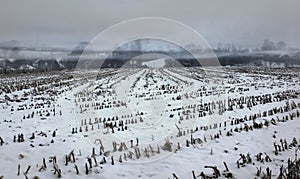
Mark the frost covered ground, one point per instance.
(149, 123)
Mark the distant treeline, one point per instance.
(32, 65)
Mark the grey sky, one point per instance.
(66, 22)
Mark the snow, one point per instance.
(28, 67)
(157, 63)
(139, 92)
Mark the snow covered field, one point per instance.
(150, 123)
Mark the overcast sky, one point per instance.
(66, 22)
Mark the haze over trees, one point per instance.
(270, 45)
